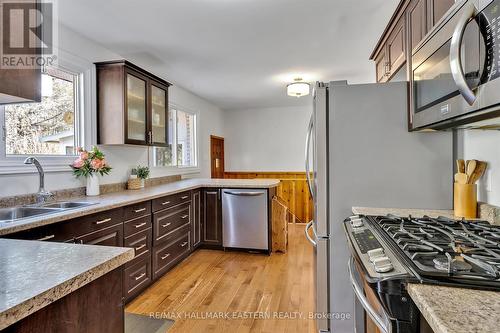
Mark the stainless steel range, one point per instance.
(390, 251)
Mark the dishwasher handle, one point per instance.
(244, 194)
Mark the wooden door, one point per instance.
(136, 114)
(217, 156)
(437, 9)
(212, 217)
(381, 66)
(158, 118)
(396, 47)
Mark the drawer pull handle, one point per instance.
(140, 276)
(166, 225)
(47, 238)
(103, 221)
(140, 247)
(184, 244)
(184, 217)
(165, 203)
(140, 225)
(185, 197)
(139, 210)
(165, 256)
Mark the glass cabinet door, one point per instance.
(136, 109)
(159, 109)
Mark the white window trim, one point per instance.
(159, 171)
(85, 132)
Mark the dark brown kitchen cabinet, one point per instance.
(132, 105)
(382, 67)
(212, 218)
(437, 9)
(111, 236)
(416, 22)
(196, 219)
(396, 47)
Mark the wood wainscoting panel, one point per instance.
(292, 190)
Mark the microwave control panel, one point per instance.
(489, 22)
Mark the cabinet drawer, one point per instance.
(171, 200)
(141, 242)
(166, 221)
(164, 257)
(136, 225)
(87, 224)
(111, 236)
(137, 210)
(136, 278)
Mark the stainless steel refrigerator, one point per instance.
(360, 153)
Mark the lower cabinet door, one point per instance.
(196, 220)
(111, 236)
(166, 256)
(136, 278)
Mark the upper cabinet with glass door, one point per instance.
(132, 105)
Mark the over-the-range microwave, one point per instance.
(455, 71)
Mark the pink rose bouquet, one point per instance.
(90, 162)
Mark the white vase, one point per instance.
(93, 185)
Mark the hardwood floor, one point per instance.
(216, 291)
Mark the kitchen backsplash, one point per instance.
(66, 194)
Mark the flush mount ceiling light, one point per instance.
(298, 88)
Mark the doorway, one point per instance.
(217, 156)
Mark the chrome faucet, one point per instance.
(42, 195)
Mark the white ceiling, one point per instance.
(238, 54)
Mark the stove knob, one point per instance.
(356, 223)
(383, 265)
(375, 253)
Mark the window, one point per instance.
(181, 135)
(49, 127)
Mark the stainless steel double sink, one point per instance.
(18, 213)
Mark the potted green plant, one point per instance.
(90, 164)
(138, 175)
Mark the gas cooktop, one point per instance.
(434, 250)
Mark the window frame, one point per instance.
(84, 114)
(158, 170)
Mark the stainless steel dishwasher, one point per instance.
(245, 219)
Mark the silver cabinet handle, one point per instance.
(165, 256)
(184, 217)
(185, 197)
(165, 203)
(358, 290)
(47, 238)
(245, 194)
(140, 276)
(139, 210)
(140, 247)
(184, 244)
(308, 226)
(456, 58)
(308, 144)
(166, 225)
(103, 221)
(137, 226)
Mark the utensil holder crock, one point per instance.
(465, 200)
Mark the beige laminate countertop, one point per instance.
(35, 274)
(446, 309)
(123, 198)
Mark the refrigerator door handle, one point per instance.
(306, 231)
(308, 143)
(358, 291)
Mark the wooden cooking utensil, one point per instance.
(461, 178)
(478, 172)
(471, 167)
(460, 166)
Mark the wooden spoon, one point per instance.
(471, 167)
(461, 178)
(478, 173)
(461, 166)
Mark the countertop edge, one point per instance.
(12, 227)
(31, 305)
